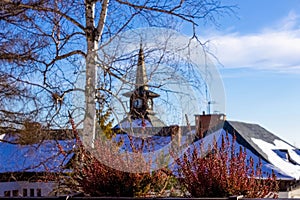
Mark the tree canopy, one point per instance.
(47, 44)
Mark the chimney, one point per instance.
(206, 122)
(176, 139)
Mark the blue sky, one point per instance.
(259, 49)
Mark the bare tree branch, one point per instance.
(38, 7)
(101, 21)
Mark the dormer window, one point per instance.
(284, 154)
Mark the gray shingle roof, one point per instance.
(246, 131)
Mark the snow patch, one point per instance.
(288, 166)
(137, 123)
(2, 136)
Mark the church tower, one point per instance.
(141, 98)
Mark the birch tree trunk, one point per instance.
(93, 35)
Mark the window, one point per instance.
(15, 193)
(284, 154)
(32, 192)
(39, 192)
(25, 192)
(297, 151)
(7, 193)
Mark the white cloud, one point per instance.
(289, 22)
(275, 49)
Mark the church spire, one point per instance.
(141, 75)
(141, 98)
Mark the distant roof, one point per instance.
(138, 123)
(275, 154)
(269, 147)
(163, 144)
(267, 167)
(248, 131)
(43, 157)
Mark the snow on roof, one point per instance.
(136, 123)
(289, 164)
(150, 144)
(42, 157)
(277, 155)
(128, 123)
(267, 168)
(162, 144)
(155, 149)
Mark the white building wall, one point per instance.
(295, 193)
(32, 188)
(283, 194)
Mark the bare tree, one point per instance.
(45, 43)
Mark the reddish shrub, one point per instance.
(109, 174)
(221, 172)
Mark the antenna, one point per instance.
(209, 102)
(209, 105)
(206, 97)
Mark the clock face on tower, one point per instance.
(138, 103)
